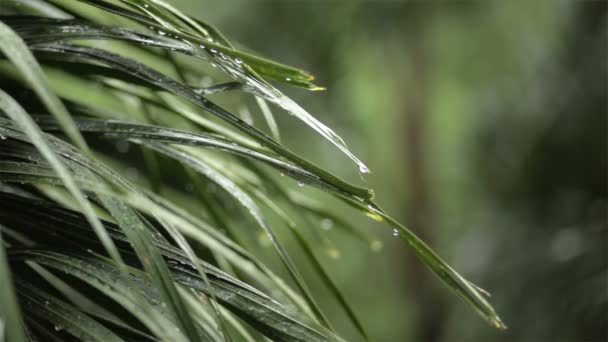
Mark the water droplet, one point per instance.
(238, 61)
(58, 328)
(202, 46)
(46, 303)
(395, 232)
(482, 291)
(300, 183)
(89, 250)
(210, 39)
(223, 56)
(213, 50)
(363, 169)
(146, 5)
(287, 79)
(162, 33)
(327, 224)
(2, 137)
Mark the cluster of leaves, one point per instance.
(90, 254)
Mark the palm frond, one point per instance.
(89, 253)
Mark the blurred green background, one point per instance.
(484, 125)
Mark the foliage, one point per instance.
(98, 255)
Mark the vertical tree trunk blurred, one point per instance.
(430, 309)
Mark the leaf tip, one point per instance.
(498, 323)
(314, 87)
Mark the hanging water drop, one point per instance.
(363, 169)
(213, 50)
(2, 137)
(395, 232)
(238, 61)
(300, 183)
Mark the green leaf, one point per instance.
(141, 239)
(241, 196)
(115, 129)
(29, 127)
(13, 47)
(141, 301)
(62, 315)
(144, 73)
(452, 279)
(252, 305)
(139, 201)
(10, 313)
(229, 60)
(63, 212)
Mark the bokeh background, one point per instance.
(484, 125)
